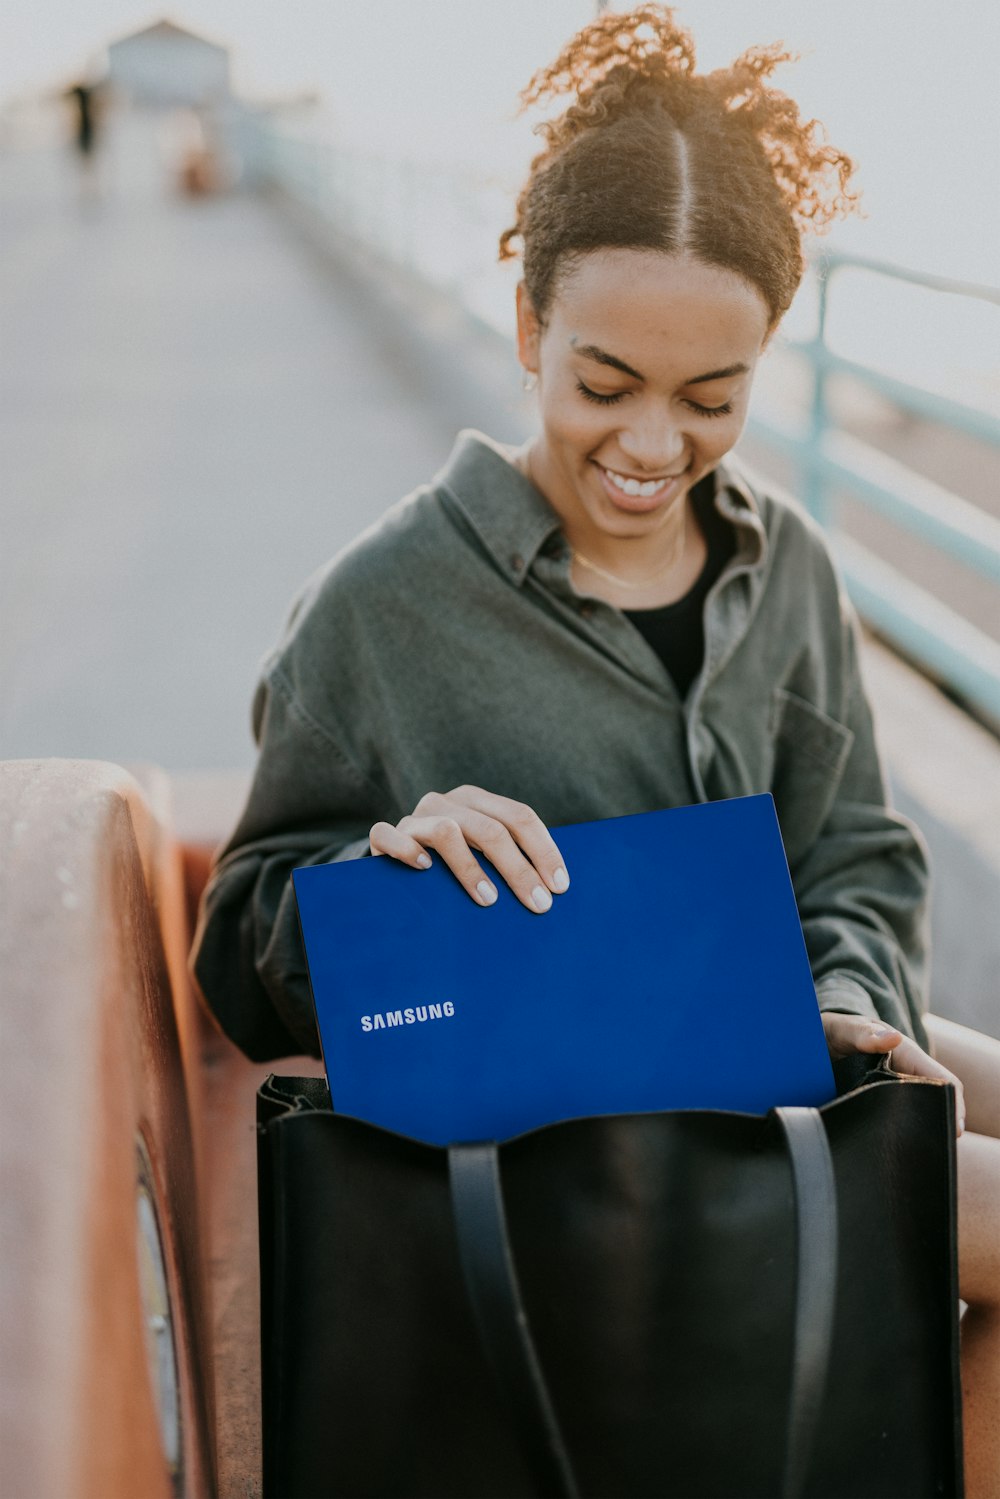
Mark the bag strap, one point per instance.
(815, 1283)
(491, 1283)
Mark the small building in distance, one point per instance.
(167, 65)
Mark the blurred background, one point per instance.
(249, 293)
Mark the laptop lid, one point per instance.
(671, 975)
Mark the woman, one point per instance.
(611, 619)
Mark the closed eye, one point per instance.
(610, 400)
(593, 395)
(711, 410)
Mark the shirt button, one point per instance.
(586, 610)
(517, 562)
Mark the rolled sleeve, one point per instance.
(308, 804)
(863, 885)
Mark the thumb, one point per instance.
(850, 1033)
(877, 1036)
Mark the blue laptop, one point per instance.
(671, 975)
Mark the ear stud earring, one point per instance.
(528, 379)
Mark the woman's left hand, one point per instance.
(848, 1033)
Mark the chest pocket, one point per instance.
(810, 753)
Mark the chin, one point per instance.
(620, 521)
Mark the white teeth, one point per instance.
(632, 486)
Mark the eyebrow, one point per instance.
(601, 356)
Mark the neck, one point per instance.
(635, 559)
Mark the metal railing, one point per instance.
(830, 461)
(390, 207)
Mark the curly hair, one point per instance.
(651, 154)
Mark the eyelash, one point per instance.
(592, 395)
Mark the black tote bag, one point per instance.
(679, 1304)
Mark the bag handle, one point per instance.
(815, 1284)
(491, 1283)
(492, 1287)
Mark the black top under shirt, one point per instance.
(676, 632)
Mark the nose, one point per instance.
(652, 441)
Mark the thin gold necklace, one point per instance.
(642, 582)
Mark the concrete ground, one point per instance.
(194, 420)
(201, 403)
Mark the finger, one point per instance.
(908, 1057)
(911, 1060)
(525, 827)
(497, 843)
(446, 836)
(850, 1033)
(385, 839)
(494, 840)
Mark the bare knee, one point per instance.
(979, 1220)
(975, 1058)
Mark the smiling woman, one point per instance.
(614, 618)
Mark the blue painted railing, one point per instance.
(830, 461)
(389, 206)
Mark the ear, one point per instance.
(528, 330)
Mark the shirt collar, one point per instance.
(513, 519)
(736, 500)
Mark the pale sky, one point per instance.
(907, 86)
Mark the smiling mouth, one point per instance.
(637, 493)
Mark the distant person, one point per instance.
(615, 617)
(86, 101)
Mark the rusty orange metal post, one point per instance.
(128, 1300)
(107, 1383)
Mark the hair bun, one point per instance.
(635, 54)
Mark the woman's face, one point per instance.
(644, 371)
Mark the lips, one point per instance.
(637, 503)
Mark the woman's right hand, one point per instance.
(513, 837)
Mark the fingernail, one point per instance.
(961, 1126)
(541, 899)
(881, 1031)
(486, 892)
(424, 861)
(561, 879)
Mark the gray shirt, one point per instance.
(449, 646)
